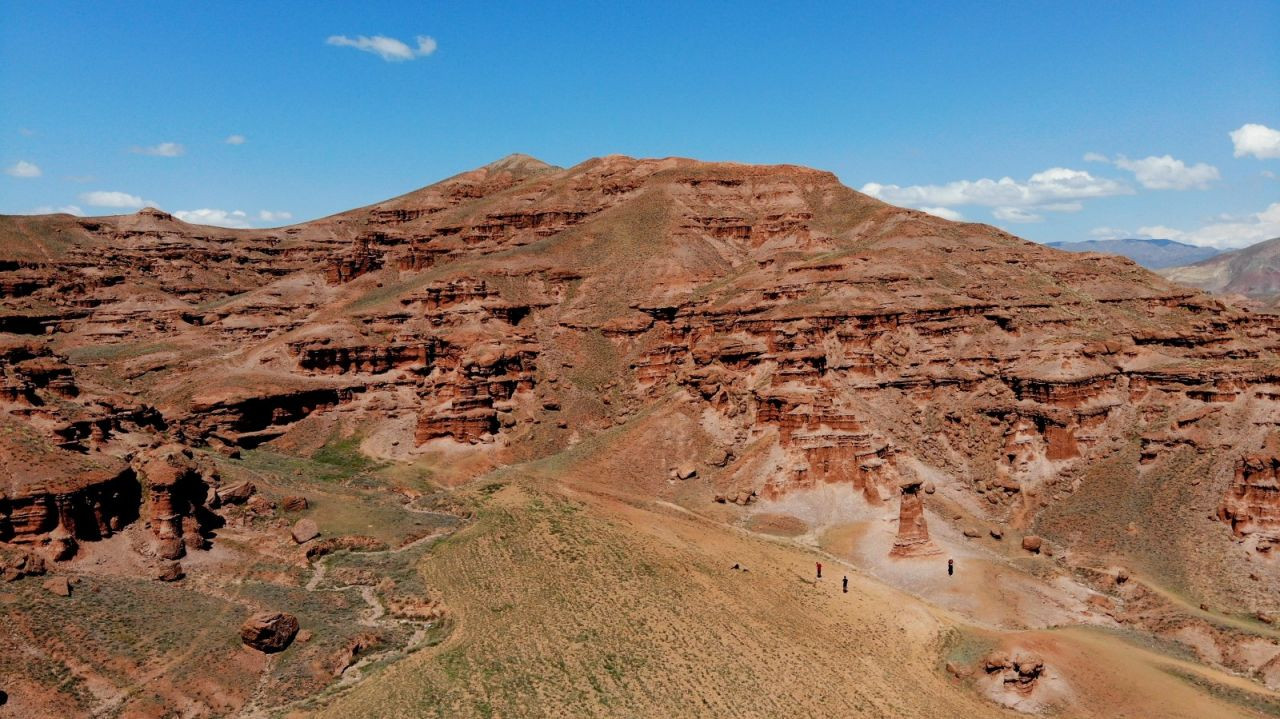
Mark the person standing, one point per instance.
(819, 569)
(951, 567)
(844, 585)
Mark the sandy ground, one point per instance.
(576, 602)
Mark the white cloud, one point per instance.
(235, 139)
(1238, 232)
(23, 169)
(219, 218)
(104, 198)
(1258, 140)
(1268, 174)
(945, 213)
(49, 210)
(26, 131)
(387, 48)
(1015, 214)
(1168, 173)
(269, 216)
(1095, 157)
(164, 149)
(1043, 188)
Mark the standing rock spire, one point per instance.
(913, 533)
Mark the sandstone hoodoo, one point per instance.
(759, 347)
(269, 632)
(913, 533)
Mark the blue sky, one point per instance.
(107, 105)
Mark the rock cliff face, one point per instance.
(1252, 504)
(821, 338)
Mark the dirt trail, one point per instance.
(1244, 625)
(375, 616)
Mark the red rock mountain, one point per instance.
(816, 337)
(827, 336)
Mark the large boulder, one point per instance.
(305, 530)
(269, 632)
(59, 586)
(238, 493)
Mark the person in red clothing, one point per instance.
(819, 569)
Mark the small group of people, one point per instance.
(844, 581)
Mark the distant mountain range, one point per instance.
(1253, 272)
(1152, 254)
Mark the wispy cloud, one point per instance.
(1258, 140)
(387, 48)
(49, 210)
(219, 218)
(107, 198)
(235, 140)
(1015, 214)
(269, 216)
(164, 149)
(23, 169)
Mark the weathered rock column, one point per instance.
(913, 533)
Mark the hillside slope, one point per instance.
(1252, 272)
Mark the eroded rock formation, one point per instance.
(1252, 504)
(913, 533)
(177, 492)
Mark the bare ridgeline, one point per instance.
(1071, 413)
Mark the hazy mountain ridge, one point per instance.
(1150, 253)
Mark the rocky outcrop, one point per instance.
(56, 498)
(1021, 670)
(16, 563)
(1252, 504)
